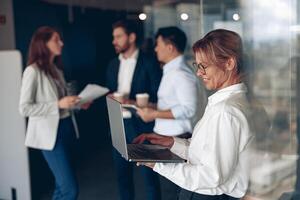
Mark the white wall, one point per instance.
(14, 163)
(7, 31)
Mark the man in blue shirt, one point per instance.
(181, 97)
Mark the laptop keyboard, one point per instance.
(144, 151)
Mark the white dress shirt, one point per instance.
(61, 87)
(179, 91)
(126, 71)
(217, 152)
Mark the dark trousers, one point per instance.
(58, 160)
(169, 190)
(188, 195)
(124, 170)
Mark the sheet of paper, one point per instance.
(130, 107)
(91, 92)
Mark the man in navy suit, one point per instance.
(130, 73)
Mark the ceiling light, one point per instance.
(236, 17)
(142, 16)
(184, 16)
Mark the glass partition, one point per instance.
(270, 43)
(270, 33)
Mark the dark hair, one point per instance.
(129, 27)
(148, 47)
(219, 45)
(39, 52)
(174, 36)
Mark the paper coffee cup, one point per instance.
(142, 99)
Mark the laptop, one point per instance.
(134, 152)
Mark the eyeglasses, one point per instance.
(199, 66)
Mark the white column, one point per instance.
(14, 163)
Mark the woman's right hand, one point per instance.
(154, 138)
(68, 102)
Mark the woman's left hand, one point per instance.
(86, 105)
(147, 164)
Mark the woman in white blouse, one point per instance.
(216, 155)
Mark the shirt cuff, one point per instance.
(179, 146)
(176, 145)
(177, 112)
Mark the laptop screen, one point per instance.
(117, 126)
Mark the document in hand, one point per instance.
(130, 107)
(91, 92)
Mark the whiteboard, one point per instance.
(14, 162)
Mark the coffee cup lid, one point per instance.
(142, 95)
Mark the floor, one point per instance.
(96, 177)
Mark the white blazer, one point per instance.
(39, 102)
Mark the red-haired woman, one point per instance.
(51, 125)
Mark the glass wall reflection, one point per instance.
(271, 48)
(271, 35)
